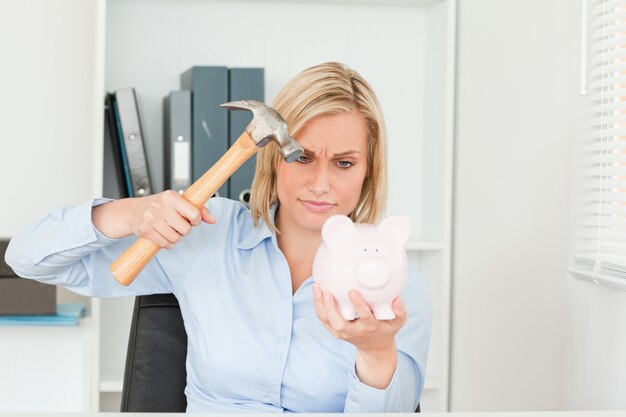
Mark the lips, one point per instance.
(317, 206)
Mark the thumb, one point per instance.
(207, 217)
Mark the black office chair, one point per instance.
(155, 373)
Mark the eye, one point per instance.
(304, 159)
(345, 164)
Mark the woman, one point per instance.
(261, 335)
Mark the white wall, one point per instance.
(518, 83)
(42, 71)
(595, 347)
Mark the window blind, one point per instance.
(600, 253)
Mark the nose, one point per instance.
(319, 182)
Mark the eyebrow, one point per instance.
(310, 152)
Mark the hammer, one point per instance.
(266, 125)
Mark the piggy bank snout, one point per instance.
(373, 272)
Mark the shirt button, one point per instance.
(279, 356)
(282, 337)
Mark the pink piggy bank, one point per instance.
(368, 258)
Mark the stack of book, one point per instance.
(28, 302)
(19, 296)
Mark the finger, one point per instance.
(167, 232)
(399, 308)
(177, 222)
(362, 309)
(158, 239)
(318, 304)
(184, 208)
(207, 217)
(190, 212)
(335, 319)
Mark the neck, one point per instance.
(298, 247)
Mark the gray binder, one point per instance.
(209, 133)
(113, 181)
(177, 140)
(132, 144)
(245, 84)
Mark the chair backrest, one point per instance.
(155, 373)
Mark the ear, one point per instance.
(397, 226)
(335, 227)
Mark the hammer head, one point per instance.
(267, 125)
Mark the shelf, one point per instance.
(404, 3)
(424, 245)
(111, 380)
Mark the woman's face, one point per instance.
(328, 177)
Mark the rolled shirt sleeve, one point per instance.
(64, 248)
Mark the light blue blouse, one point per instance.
(252, 345)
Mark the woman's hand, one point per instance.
(374, 340)
(164, 218)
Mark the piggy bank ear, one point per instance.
(398, 226)
(335, 227)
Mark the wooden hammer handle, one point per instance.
(126, 268)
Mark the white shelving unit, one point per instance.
(404, 48)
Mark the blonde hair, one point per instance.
(323, 90)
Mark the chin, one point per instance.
(315, 221)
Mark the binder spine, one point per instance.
(177, 140)
(128, 186)
(244, 84)
(114, 181)
(132, 149)
(209, 89)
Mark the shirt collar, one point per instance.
(257, 234)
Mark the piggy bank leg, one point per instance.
(384, 312)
